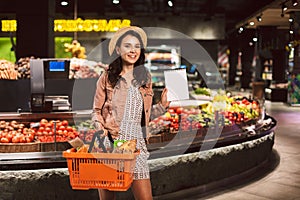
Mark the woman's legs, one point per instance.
(106, 194)
(142, 189)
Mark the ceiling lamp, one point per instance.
(116, 1)
(258, 18)
(283, 7)
(170, 3)
(241, 29)
(64, 3)
(295, 2)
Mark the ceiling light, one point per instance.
(291, 19)
(241, 29)
(291, 32)
(295, 2)
(284, 7)
(258, 18)
(116, 1)
(64, 3)
(251, 23)
(170, 3)
(254, 39)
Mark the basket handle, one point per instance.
(97, 134)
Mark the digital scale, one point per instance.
(41, 69)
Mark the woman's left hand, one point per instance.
(164, 100)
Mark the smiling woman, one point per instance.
(124, 118)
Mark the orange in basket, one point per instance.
(112, 171)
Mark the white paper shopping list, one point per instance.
(177, 85)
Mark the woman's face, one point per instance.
(130, 49)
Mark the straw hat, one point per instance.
(122, 31)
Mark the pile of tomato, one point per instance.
(42, 131)
(45, 131)
(13, 132)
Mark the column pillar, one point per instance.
(296, 68)
(35, 34)
(233, 59)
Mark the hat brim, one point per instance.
(113, 41)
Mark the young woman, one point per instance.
(123, 102)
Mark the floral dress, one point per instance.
(130, 129)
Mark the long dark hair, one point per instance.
(140, 73)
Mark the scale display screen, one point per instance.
(56, 69)
(57, 66)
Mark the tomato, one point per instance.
(39, 133)
(59, 132)
(179, 110)
(15, 139)
(65, 132)
(28, 139)
(65, 123)
(44, 120)
(42, 124)
(9, 137)
(171, 110)
(22, 139)
(42, 128)
(49, 125)
(70, 129)
(48, 129)
(31, 136)
(4, 140)
(45, 132)
(62, 128)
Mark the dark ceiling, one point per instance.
(234, 10)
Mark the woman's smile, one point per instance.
(130, 49)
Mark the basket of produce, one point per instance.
(101, 169)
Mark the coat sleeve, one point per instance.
(99, 100)
(156, 109)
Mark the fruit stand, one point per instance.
(210, 119)
(186, 127)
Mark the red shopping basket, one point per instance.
(112, 171)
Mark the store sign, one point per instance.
(8, 25)
(88, 25)
(78, 25)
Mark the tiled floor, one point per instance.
(281, 179)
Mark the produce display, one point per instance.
(7, 70)
(79, 69)
(86, 130)
(75, 49)
(82, 68)
(23, 67)
(13, 132)
(222, 110)
(43, 131)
